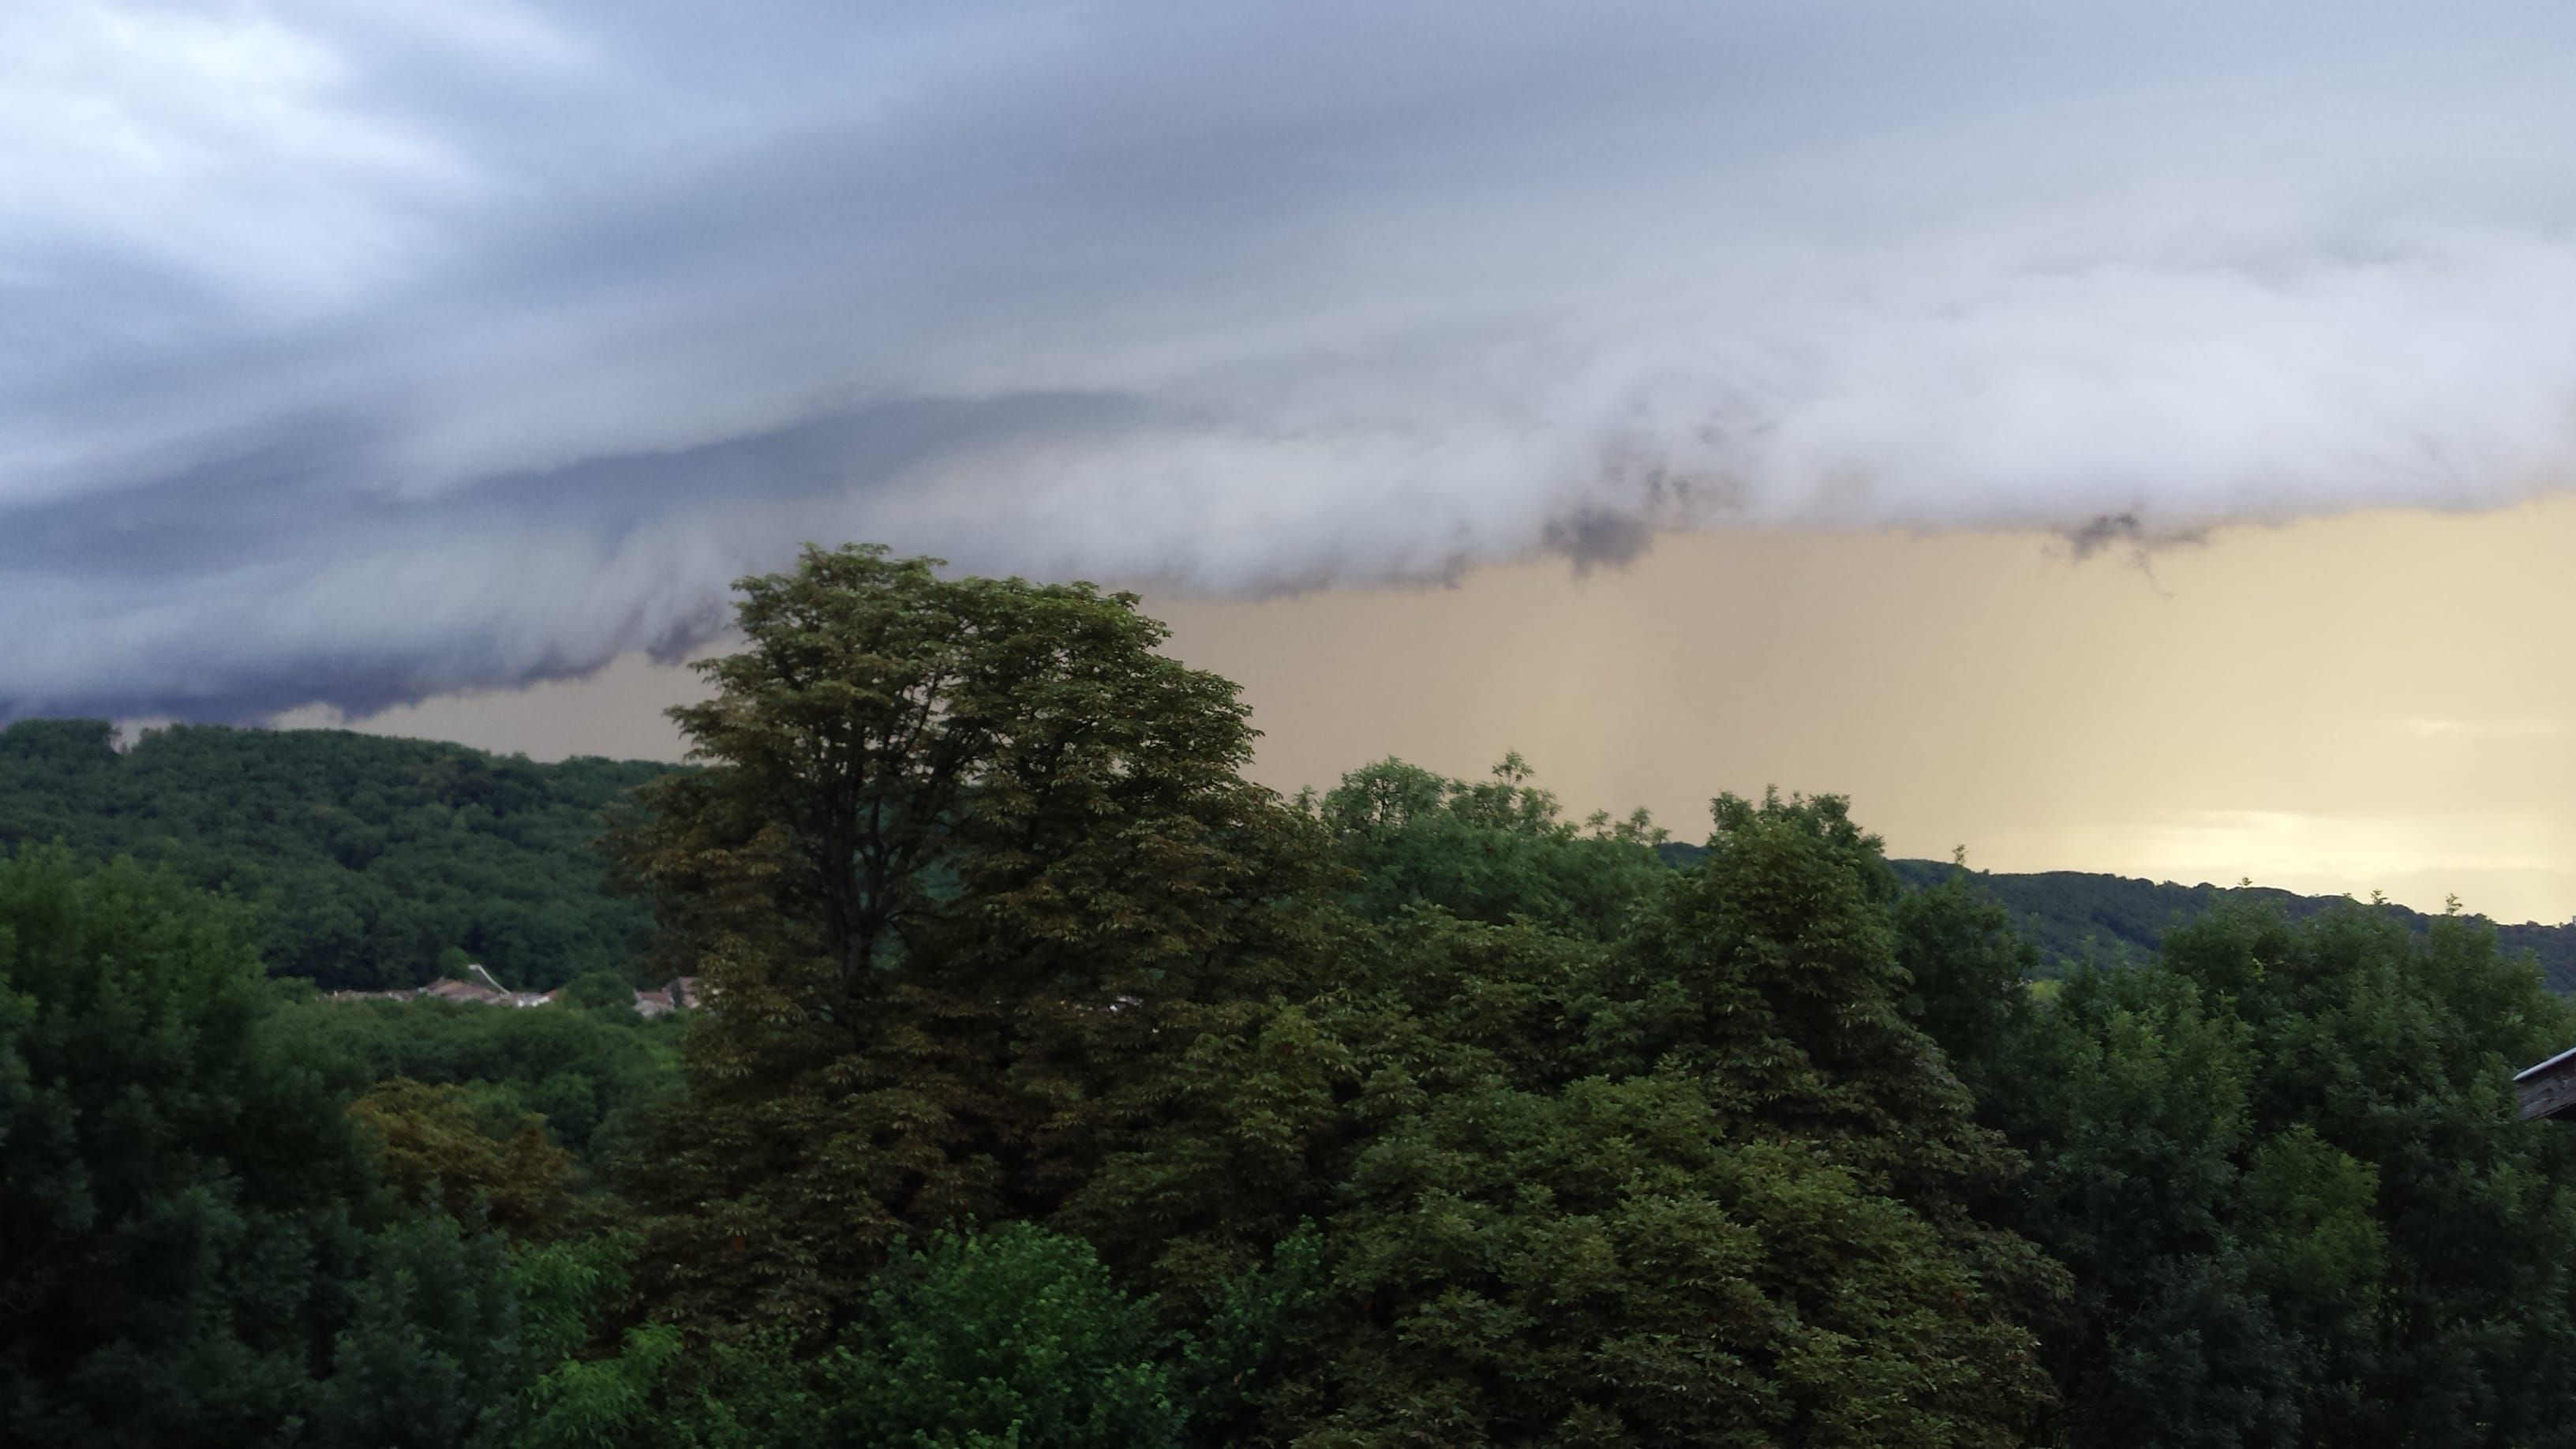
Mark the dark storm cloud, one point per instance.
(357, 350)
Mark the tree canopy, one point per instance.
(966, 861)
(369, 862)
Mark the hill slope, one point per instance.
(372, 860)
(369, 859)
(2075, 916)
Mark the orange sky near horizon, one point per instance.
(2373, 701)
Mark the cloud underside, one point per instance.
(357, 356)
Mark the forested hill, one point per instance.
(2072, 916)
(374, 861)
(370, 861)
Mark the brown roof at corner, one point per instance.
(2549, 1089)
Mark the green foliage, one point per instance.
(606, 992)
(2285, 1169)
(661, 1391)
(656, 1390)
(1707, 1186)
(193, 1248)
(1967, 977)
(1015, 1337)
(565, 1290)
(597, 1078)
(373, 862)
(1602, 1266)
(606, 1402)
(1231, 1371)
(175, 1206)
(457, 1336)
(969, 862)
(433, 1359)
(1493, 850)
(472, 1154)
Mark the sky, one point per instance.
(365, 359)
(2369, 702)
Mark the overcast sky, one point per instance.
(362, 350)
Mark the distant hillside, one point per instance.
(368, 859)
(372, 861)
(2074, 916)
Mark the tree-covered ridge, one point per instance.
(2078, 916)
(370, 862)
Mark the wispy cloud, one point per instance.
(358, 351)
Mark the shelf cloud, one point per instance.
(359, 350)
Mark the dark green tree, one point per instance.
(605, 992)
(1012, 1337)
(591, 1075)
(1701, 1185)
(967, 862)
(432, 1358)
(369, 861)
(2285, 1167)
(176, 1190)
(1967, 977)
(1493, 850)
(195, 1247)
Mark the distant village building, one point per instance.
(679, 994)
(479, 988)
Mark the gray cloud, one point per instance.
(358, 350)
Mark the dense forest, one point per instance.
(2077, 918)
(376, 863)
(1056, 1086)
(370, 862)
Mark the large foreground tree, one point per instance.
(967, 861)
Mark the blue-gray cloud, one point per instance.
(356, 350)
